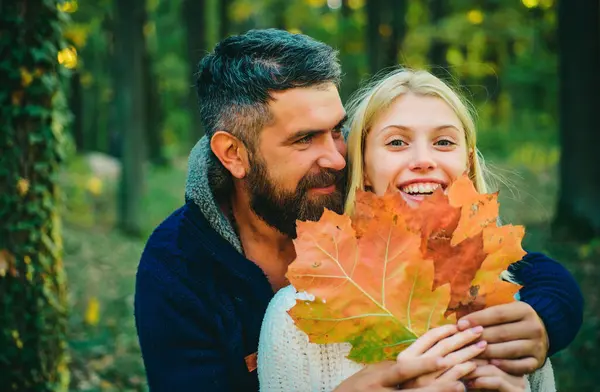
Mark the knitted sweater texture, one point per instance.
(288, 362)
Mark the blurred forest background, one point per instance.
(99, 113)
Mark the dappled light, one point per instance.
(100, 112)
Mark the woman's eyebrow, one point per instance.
(410, 129)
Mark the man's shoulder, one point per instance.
(175, 241)
(174, 263)
(177, 231)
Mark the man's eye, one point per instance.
(337, 132)
(305, 140)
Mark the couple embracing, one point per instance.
(211, 293)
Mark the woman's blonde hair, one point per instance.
(373, 99)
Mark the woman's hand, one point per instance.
(387, 376)
(491, 378)
(518, 342)
(448, 343)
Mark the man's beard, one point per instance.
(280, 208)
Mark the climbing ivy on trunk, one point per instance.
(33, 114)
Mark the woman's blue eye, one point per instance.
(396, 143)
(445, 143)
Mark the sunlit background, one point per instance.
(502, 54)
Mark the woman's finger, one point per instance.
(495, 383)
(406, 369)
(517, 367)
(457, 372)
(490, 371)
(427, 340)
(480, 362)
(486, 371)
(466, 353)
(463, 355)
(455, 342)
(508, 350)
(445, 387)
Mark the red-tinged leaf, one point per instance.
(435, 219)
(376, 294)
(456, 265)
(385, 277)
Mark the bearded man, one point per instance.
(274, 152)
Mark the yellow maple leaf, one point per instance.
(26, 77)
(22, 186)
(92, 313)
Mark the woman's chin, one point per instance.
(413, 201)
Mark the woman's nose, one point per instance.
(422, 160)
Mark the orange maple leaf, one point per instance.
(373, 291)
(383, 278)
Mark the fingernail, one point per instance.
(477, 329)
(482, 344)
(495, 362)
(463, 324)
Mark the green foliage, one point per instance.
(102, 337)
(33, 115)
(502, 53)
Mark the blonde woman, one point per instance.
(412, 131)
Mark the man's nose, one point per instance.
(331, 157)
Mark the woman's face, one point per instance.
(417, 145)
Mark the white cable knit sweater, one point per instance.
(288, 362)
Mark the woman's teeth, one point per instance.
(420, 188)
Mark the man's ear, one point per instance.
(231, 152)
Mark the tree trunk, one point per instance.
(130, 104)
(224, 14)
(397, 13)
(578, 210)
(438, 9)
(373, 41)
(76, 105)
(156, 153)
(153, 110)
(348, 60)
(33, 109)
(193, 16)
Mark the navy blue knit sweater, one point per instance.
(199, 305)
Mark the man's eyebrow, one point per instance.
(308, 132)
(342, 122)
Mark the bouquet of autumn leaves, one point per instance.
(391, 272)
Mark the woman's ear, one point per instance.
(366, 180)
(231, 152)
